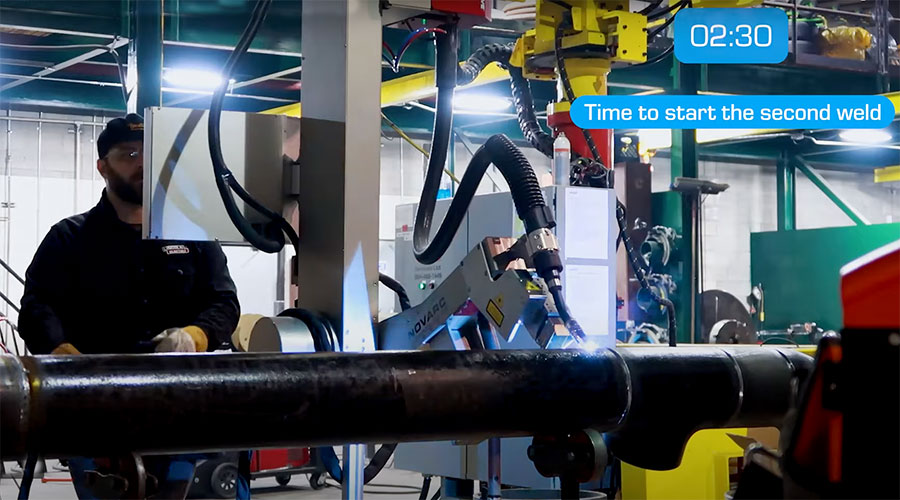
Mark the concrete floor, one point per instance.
(390, 484)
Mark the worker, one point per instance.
(96, 287)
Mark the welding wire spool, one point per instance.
(519, 11)
(242, 333)
(281, 334)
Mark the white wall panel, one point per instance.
(255, 276)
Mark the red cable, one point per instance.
(388, 48)
(409, 42)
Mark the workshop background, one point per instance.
(798, 205)
(46, 177)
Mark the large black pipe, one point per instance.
(103, 405)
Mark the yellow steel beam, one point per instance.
(421, 85)
(287, 109)
(894, 98)
(409, 88)
(887, 174)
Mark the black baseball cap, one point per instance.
(119, 130)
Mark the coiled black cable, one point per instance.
(273, 241)
(649, 8)
(682, 5)
(658, 14)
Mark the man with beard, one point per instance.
(95, 287)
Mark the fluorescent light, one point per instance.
(480, 102)
(867, 136)
(197, 79)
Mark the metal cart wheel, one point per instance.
(317, 481)
(223, 480)
(283, 479)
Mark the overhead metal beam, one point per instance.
(410, 88)
(230, 48)
(63, 65)
(270, 76)
(196, 94)
(247, 83)
(55, 31)
(823, 185)
(63, 80)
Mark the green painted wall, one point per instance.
(800, 270)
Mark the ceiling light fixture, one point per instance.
(480, 102)
(196, 79)
(866, 136)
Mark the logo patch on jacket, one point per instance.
(176, 249)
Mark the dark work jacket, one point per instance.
(96, 284)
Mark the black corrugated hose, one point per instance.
(528, 123)
(273, 240)
(445, 76)
(475, 64)
(524, 188)
(521, 91)
(499, 150)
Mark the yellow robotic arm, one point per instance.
(588, 36)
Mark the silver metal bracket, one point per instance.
(541, 240)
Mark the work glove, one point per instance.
(188, 339)
(65, 349)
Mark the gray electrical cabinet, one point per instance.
(181, 201)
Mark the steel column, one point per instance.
(77, 174)
(786, 195)
(340, 130)
(131, 78)
(7, 206)
(684, 163)
(37, 184)
(149, 51)
(823, 185)
(341, 137)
